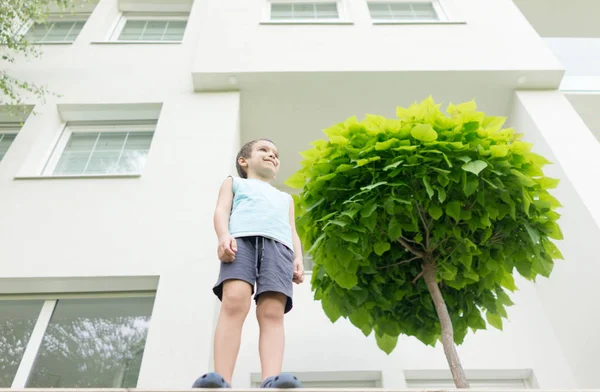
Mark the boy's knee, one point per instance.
(236, 302)
(271, 309)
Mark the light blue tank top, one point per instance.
(260, 209)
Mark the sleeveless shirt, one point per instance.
(260, 209)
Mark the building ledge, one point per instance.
(296, 390)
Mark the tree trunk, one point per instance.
(429, 274)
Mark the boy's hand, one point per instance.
(227, 249)
(298, 271)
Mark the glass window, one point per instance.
(401, 11)
(63, 31)
(6, 140)
(17, 319)
(304, 11)
(153, 30)
(93, 343)
(104, 153)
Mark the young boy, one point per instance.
(258, 243)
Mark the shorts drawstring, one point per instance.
(258, 258)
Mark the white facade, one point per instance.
(237, 75)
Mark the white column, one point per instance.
(569, 139)
(569, 297)
(206, 130)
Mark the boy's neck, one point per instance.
(255, 176)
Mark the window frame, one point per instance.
(343, 378)
(104, 127)
(8, 129)
(342, 8)
(83, 17)
(34, 343)
(419, 379)
(125, 16)
(444, 17)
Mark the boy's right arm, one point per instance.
(227, 244)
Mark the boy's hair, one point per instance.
(246, 152)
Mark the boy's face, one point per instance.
(263, 161)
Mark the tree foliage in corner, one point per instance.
(416, 224)
(14, 15)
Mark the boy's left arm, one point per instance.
(298, 261)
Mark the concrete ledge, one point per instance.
(298, 390)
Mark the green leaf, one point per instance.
(361, 319)
(474, 167)
(552, 250)
(441, 194)
(386, 343)
(453, 210)
(373, 186)
(330, 309)
(435, 211)
(368, 210)
(548, 183)
(553, 230)
(392, 166)
(428, 187)
(475, 320)
(499, 151)
(296, 180)
(381, 146)
(465, 158)
(381, 247)
(394, 229)
(350, 237)
(494, 320)
(471, 186)
(424, 133)
(508, 282)
(344, 168)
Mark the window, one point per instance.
(54, 31)
(304, 11)
(478, 379)
(101, 150)
(400, 11)
(8, 133)
(17, 319)
(85, 342)
(139, 28)
(335, 379)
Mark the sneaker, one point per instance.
(211, 380)
(283, 381)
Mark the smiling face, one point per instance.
(262, 162)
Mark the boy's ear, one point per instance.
(242, 161)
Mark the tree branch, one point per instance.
(410, 248)
(400, 262)
(425, 225)
(417, 277)
(439, 244)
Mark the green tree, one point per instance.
(453, 199)
(14, 14)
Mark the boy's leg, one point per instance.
(235, 305)
(269, 311)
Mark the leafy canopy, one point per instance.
(475, 188)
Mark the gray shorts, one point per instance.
(263, 261)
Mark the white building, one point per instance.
(106, 273)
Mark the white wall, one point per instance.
(496, 36)
(159, 224)
(570, 296)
